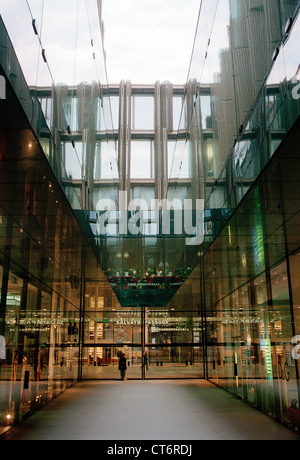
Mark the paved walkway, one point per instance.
(140, 410)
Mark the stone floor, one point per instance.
(148, 410)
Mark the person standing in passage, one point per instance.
(122, 366)
(146, 361)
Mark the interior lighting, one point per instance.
(210, 152)
(244, 261)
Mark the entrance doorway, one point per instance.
(158, 344)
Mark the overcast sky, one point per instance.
(145, 40)
(149, 40)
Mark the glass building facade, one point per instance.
(80, 156)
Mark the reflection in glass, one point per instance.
(142, 113)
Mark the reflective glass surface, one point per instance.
(77, 289)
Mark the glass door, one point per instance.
(157, 344)
(102, 363)
(173, 362)
(108, 335)
(173, 345)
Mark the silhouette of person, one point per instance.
(122, 366)
(146, 361)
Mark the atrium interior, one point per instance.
(156, 219)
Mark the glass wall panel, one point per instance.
(105, 166)
(157, 344)
(108, 113)
(281, 328)
(174, 362)
(142, 113)
(252, 333)
(293, 358)
(179, 160)
(179, 113)
(73, 160)
(142, 160)
(206, 113)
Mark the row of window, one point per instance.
(142, 165)
(142, 113)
